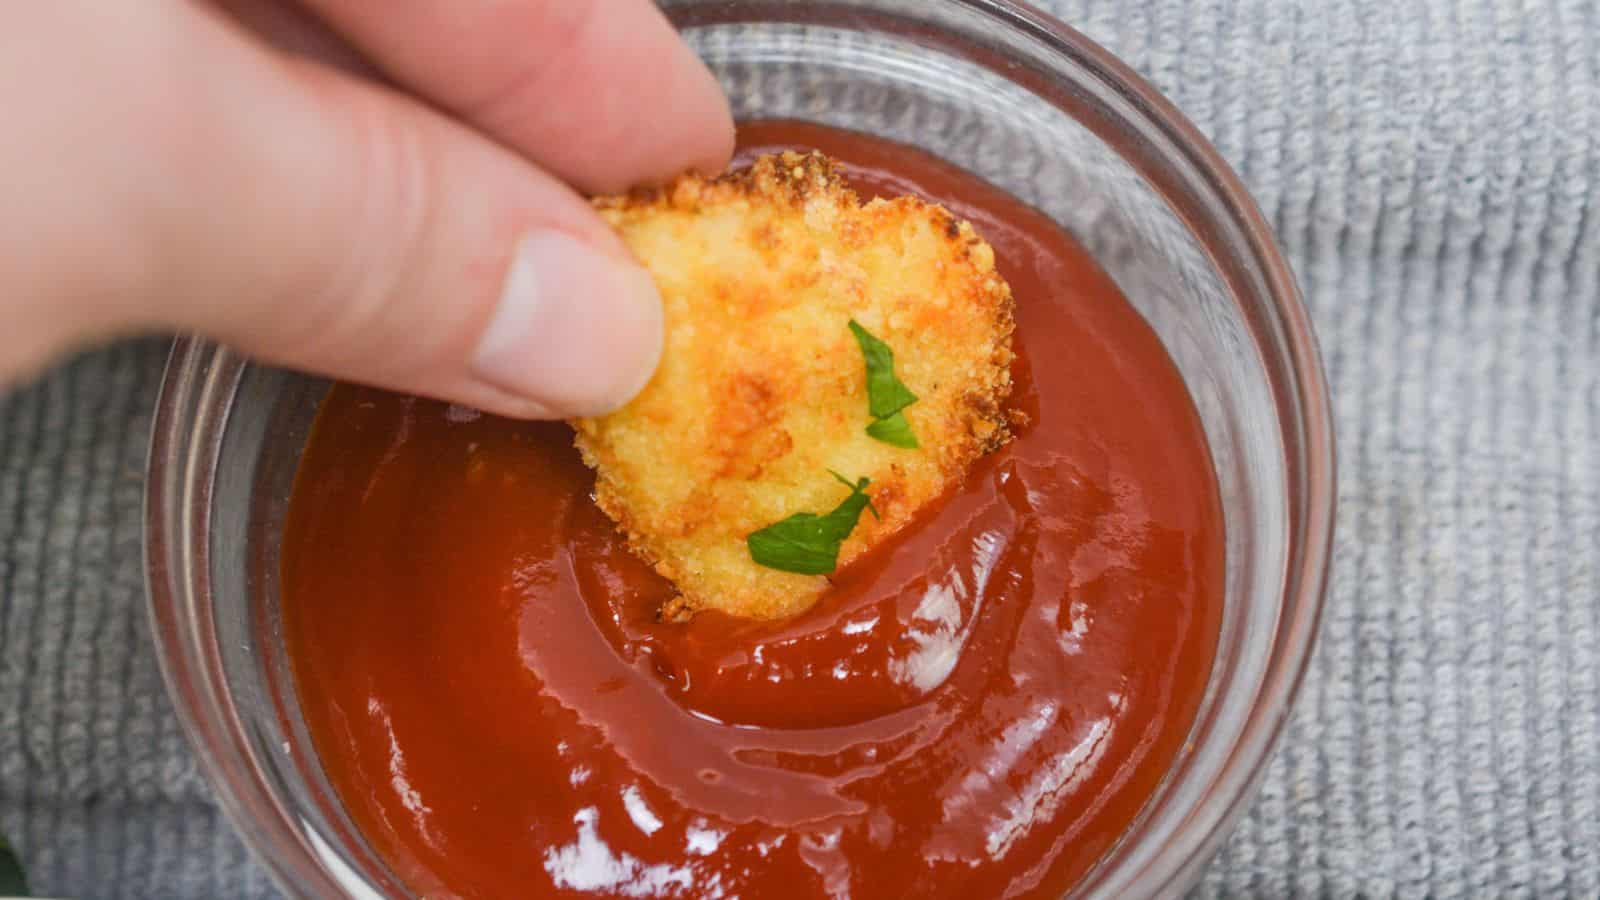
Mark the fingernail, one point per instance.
(577, 331)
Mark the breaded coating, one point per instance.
(762, 387)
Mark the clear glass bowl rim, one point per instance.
(205, 710)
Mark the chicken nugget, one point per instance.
(792, 309)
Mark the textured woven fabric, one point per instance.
(1432, 169)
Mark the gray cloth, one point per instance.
(1432, 169)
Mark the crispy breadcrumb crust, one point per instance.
(762, 389)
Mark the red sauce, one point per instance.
(978, 710)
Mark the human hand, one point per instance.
(372, 191)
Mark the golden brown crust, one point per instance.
(761, 388)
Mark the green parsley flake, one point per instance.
(807, 543)
(894, 430)
(886, 394)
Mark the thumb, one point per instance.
(325, 223)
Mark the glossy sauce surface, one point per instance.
(977, 710)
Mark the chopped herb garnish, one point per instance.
(886, 394)
(12, 882)
(894, 430)
(808, 543)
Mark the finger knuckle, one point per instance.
(563, 30)
(362, 295)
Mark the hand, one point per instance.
(384, 192)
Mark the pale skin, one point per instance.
(385, 192)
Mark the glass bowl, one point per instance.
(995, 87)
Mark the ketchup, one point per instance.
(977, 709)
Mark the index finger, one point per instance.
(604, 94)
